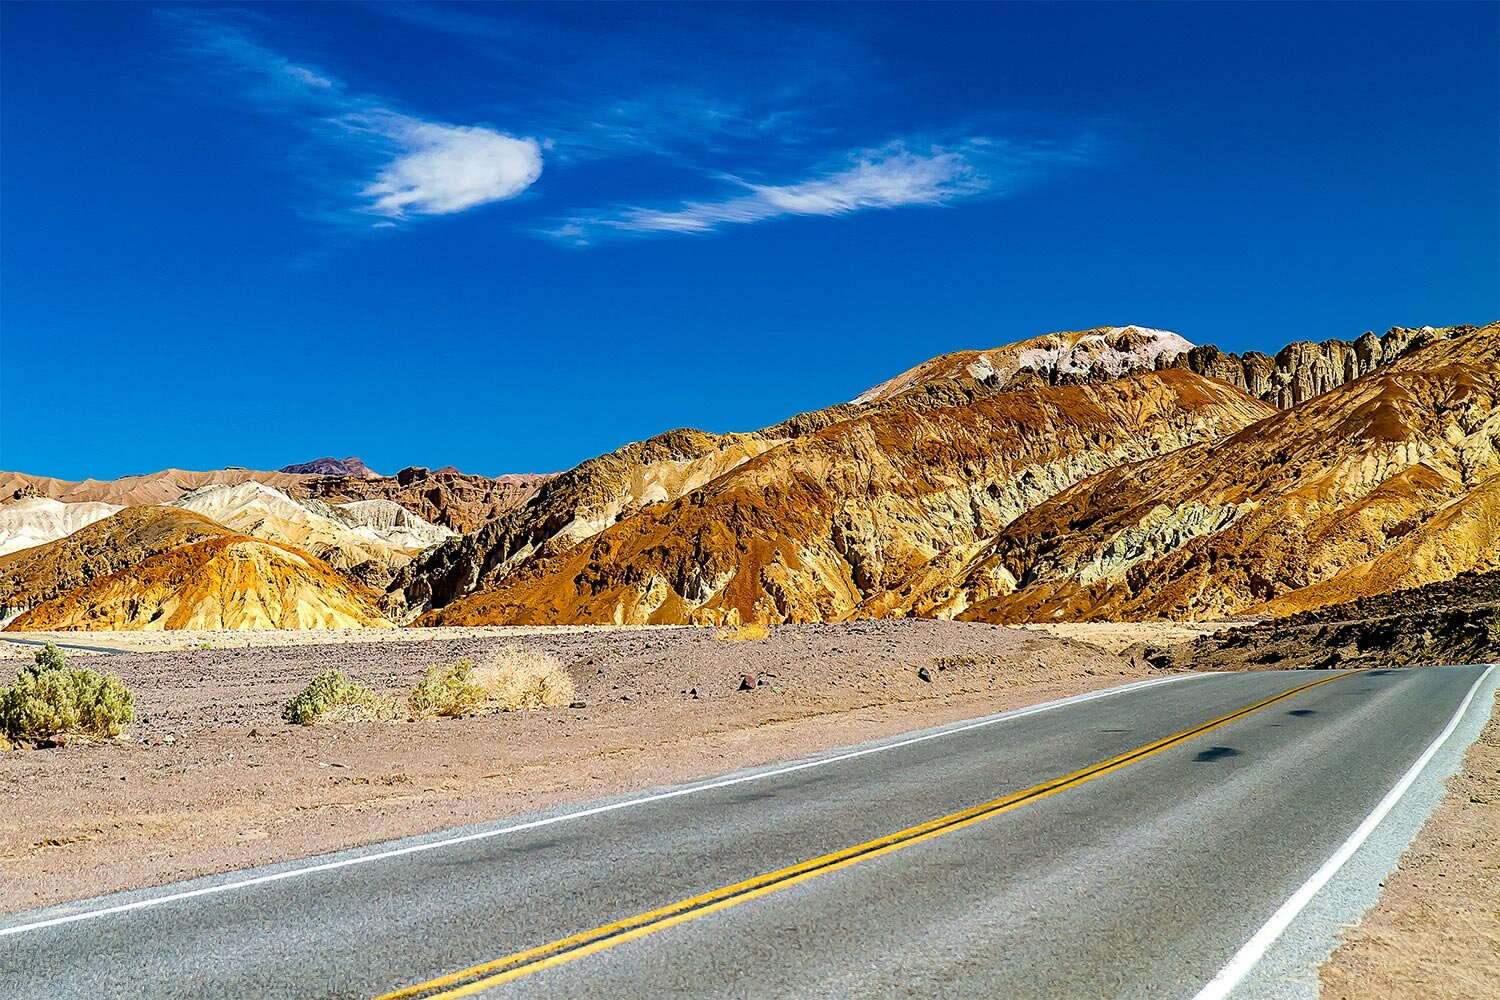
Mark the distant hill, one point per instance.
(230, 582)
(351, 467)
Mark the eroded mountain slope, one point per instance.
(35, 520)
(35, 575)
(1386, 481)
(821, 520)
(230, 582)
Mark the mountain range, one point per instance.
(1119, 473)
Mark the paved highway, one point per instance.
(1201, 836)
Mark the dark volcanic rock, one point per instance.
(350, 466)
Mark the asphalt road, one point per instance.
(1126, 845)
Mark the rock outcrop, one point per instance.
(445, 497)
(1304, 369)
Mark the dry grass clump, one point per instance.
(753, 632)
(446, 689)
(510, 679)
(49, 698)
(517, 679)
(333, 697)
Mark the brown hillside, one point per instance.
(1386, 481)
(229, 582)
(815, 525)
(34, 575)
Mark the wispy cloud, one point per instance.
(898, 174)
(420, 166)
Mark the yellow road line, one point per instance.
(466, 982)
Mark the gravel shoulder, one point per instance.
(210, 778)
(1436, 929)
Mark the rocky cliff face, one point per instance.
(1385, 482)
(1304, 369)
(444, 497)
(817, 523)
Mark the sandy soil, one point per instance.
(199, 639)
(1116, 637)
(209, 778)
(1436, 931)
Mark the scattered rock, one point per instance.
(578, 704)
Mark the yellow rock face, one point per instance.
(220, 583)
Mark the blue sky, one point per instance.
(509, 238)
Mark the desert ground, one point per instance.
(210, 778)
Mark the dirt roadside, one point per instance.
(1436, 931)
(210, 779)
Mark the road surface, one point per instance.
(1134, 843)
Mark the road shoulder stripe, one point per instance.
(1244, 960)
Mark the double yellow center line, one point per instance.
(475, 979)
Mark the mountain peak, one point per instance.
(1067, 356)
(350, 467)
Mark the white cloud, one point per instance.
(421, 167)
(890, 176)
(449, 168)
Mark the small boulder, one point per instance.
(747, 682)
(923, 674)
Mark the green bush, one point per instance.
(50, 698)
(446, 689)
(330, 693)
(49, 657)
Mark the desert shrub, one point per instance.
(49, 657)
(330, 697)
(509, 680)
(753, 632)
(446, 689)
(515, 679)
(50, 697)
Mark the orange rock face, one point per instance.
(229, 582)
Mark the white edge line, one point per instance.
(1255, 949)
(363, 859)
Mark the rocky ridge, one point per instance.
(1385, 482)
